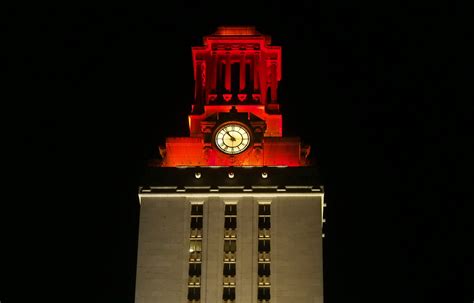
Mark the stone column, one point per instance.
(246, 249)
(262, 72)
(255, 72)
(198, 83)
(213, 72)
(274, 82)
(242, 72)
(204, 85)
(219, 71)
(228, 73)
(214, 237)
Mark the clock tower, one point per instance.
(234, 212)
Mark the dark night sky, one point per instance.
(378, 91)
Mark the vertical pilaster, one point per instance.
(214, 252)
(246, 250)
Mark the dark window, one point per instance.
(229, 293)
(235, 77)
(264, 246)
(220, 75)
(194, 269)
(269, 93)
(196, 209)
(231, 209)
(248, 78)
(264, 269)
(196, 222)
(230, 222)
(229, 269)
(264, 209)
(230, 246)
(194, 293)
(264, 293)
(264, 223)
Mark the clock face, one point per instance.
(232, 138)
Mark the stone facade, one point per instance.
(296, 247)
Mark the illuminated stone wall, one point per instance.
(296, 248)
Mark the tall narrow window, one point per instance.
(230, 251)
(228, 295)
(194, 294)
(248, 78)
(229, 269)
(264, 246)
(264, 209)
(195, 269)
(264, 225)
(235, 78)
(220, 75)
(195, 252)
(264, 294)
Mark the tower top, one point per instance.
(235, 118)
(236, 65)
(236, 31)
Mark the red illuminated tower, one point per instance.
(236, 76)
(234, 212)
